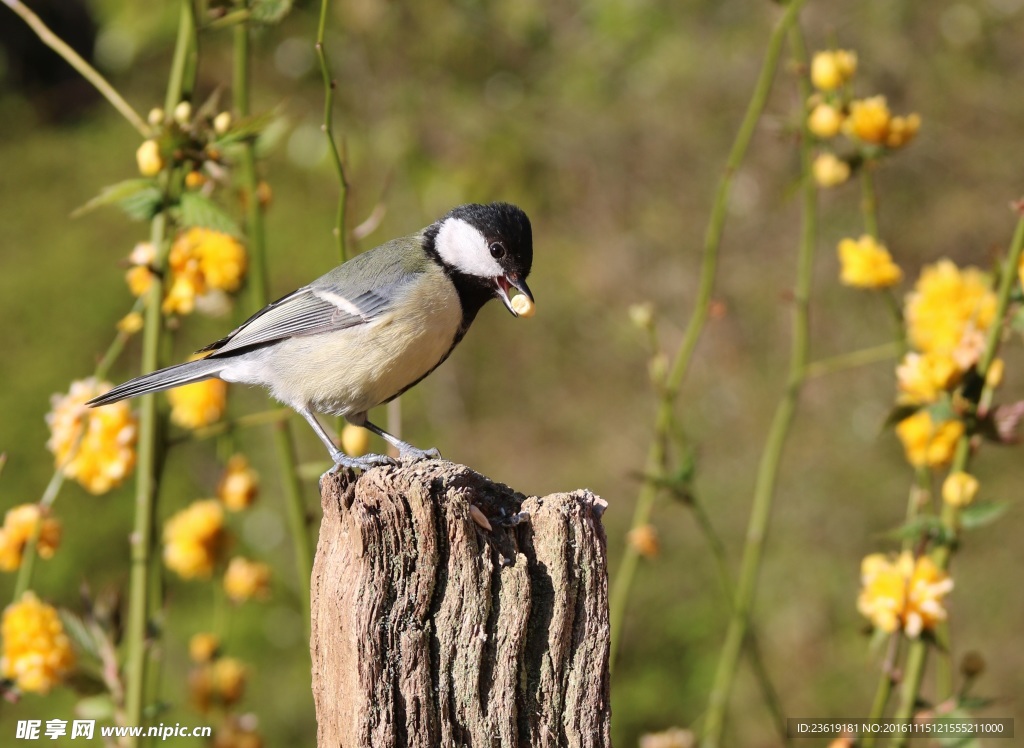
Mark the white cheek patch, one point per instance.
(463, 247)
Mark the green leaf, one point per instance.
(982, 513)
(198, 210)
(941, 411)
(900, 413)
(269, 11)
(957, 740)
(246, 129)
(1017, 320)
(79, 633)
(99, 707)
(139, 198)
(927, 525)
(976, 702)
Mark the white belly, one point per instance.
(349, 371)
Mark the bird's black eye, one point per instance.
(497, 250)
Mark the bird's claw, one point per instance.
(364, 463)
(412, 454)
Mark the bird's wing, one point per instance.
(307, 311)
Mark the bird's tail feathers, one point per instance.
(163, 379)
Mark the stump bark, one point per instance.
(430, 630)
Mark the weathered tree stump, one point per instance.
(430, 630)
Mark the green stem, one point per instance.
(256, 231)
(328, 128)
(764, 489)
(145, 498)
(771, 698)
(869, 199)
(87, 71)
(917, 657)
(150, 429)
(657, 451)
(885, 684)
(853, 359)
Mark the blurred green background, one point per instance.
(608, 122)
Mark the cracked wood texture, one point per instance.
(430, 630)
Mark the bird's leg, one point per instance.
(406, 451)
(342, 460)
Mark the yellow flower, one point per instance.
(37, 653)
(825, 121)
(200, 261)
(867, 264)
(149, 159)
(831, 69)
(19, 526)
(95, 447)
(199, 404)
(644, 540)
(946, 305)
(959, 488)
(221, 258)
(922, 377)
(245, 579)
(194, 539)
(902, 130)
(902, 593)
(869, 120)
(355, 440)
(238, 485)
(830, 171)
(927, 443)
(202, 647)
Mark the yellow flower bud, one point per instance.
(156, 116)
(523, 306)
(222, 123)
(264, 194)
(202, 647)
(825, 121)
(642, 315)
(238, 485)
(149, 159)
(831, 69)
(355, 440)
(130, 324)
(194, 180)
(902, 130)
(245, 579)
(183, 113)
(994, 377)
(830, 171)
(644, 540)
(959, 489)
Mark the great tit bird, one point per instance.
(371, 328)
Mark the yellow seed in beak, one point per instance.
(523, 306)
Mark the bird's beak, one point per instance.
(506, 283)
